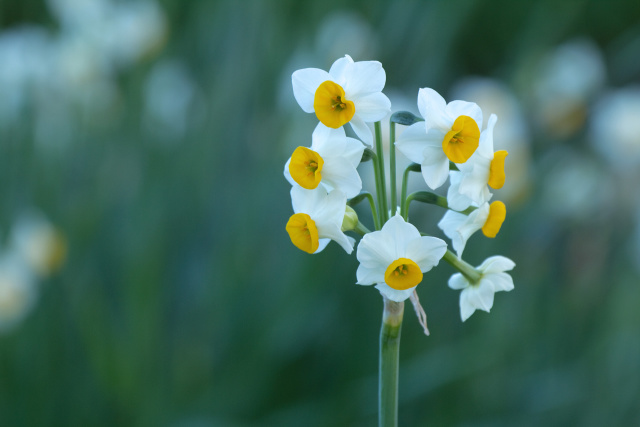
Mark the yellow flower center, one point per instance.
(332, 109)
(305, 167)
(303, 232)
(403, 274)
(462, 140)
(497, 214)
(496, 170)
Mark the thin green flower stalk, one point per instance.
(382, 202)
(389, 363)
(392, 167)
(445, 143)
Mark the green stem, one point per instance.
(378, 220)
(382, 203)
(374, 212)
(361, 229)
(467, 270)
(414, 167)
(392, 167)
(389, 356)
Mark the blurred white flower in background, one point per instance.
(169, 93)
(345, 32)
(575, 186)
(565, 83)
(60, 75)
(35, 250)
(18, 291)
(511, 132)
(25, 57)
(614, 127)
(38, 243)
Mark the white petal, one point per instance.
(464, 108)
(339, 173)
(305, 83)
(398, 233)
(470, 224)
(330, 144)
(450, 224)
(374, 251)
(432, 107)
(338, 70)
(287, 174)
(457, 281)
(456, 200)
(500, 281)
(475, 221)
(435, 166)
(322, 243)
(496, 264)
(394, 294)
(372, 107)
(307, 201)
(330, 208)
(370, 275)
(466, 308)
(412, 141)
(364, 78)
(353, 150)
(426, 252)
(474, 184)
(321, 134)
(333, 232)
(486, 138)
(480, 296)
(362, 130)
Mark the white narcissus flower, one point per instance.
(395, 257)
(450, 132)
(318, 219)
(459, 227)
(331, 161)
(351, 92)
(483, 170)
(479, 296)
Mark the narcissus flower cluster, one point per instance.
(447, 142)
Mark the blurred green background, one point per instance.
(152, 134)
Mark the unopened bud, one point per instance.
(350, 220)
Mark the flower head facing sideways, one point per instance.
(479, 296)
(460, 227)
(483, 170)
(318, 220)
(351, 92)
(395, 258)
(450, 132)
(331, 161)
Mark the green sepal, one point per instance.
(405, 118)
(430, 198)
(367, 155)
(414, 167)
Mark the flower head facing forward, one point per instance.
(331, 161)
(460, 227)
(317, 220)
(479, 296)
(450, 132)
(351, 92)
(395, 258)
(331, 106)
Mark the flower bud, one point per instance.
(350, 220)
